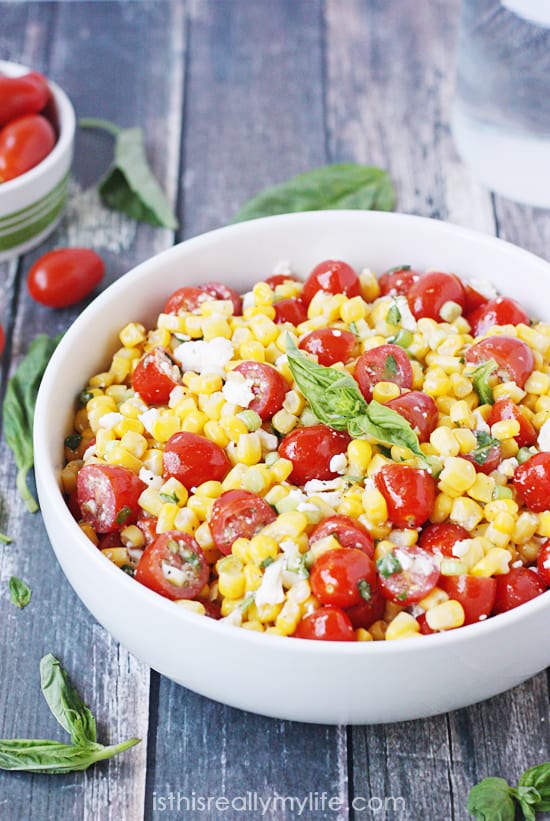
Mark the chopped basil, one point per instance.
(172, 498)
(85, 396)
(388, 565)
(393, 317)
(5, 539)
(480, 380)
(266, 562)
(390, 368)
(353, 328)
(20, 593)
(123, 515)
(365, 590)
(485, 444)
(73, 441)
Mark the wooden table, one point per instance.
(235, 95)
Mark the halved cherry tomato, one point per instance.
(194, 459)
(407, 574)
(310, 450)
(329, 345)
(428, 295)
(24, 143)
(279, 279)
(506, 409)
(109, 540)
(108, 496)
(518, 586)
(174, 566)
(532, 482)
(332, 276)
(367, 612)
(27, 94)
(499, 311)
(514, 358)
(2, 340)
(155, 376)
(186, 299)
(420, 411)
(440, 538)
(217, 290)
(148, 526)
(409, 493)
(476, 594)
(543, 562)
(485, 458)
(65, 276)
(397, 281)
(386, 363)
(238, 514)
(72, 504)
(290, 310)
(268, 386)
(349, 532)
(325, 624)
(343, 577)
(474, 299)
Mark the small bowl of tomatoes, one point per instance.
(37, 128)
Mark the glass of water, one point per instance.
(501, 113)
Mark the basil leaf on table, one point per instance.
(345, 185)
(5, 539)
(20, 593)
(18, 409)
(491, 800)
(65, 703)
(539, 778)
(129, 185)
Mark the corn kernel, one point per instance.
(352, 310)
(89, 532)
(404, 626)
(186, 521)
(495, 562)
(283, 421)
(525, 528)
(281, 470)
(446, 616)
(363, 635)
(120, 456)
(152, 460)
(442, 508)
(457, 476)
(374, 505)
(434, 598)
(359, 454)
(132, 334)
(150, 501)
(203, 536)
(288, 618)
(191, 606)
(384, 391)
(201, 506)
(117, 555)
(166, 517)
(444, 442)
(135, 443)
(231, 579)
(505, 429)
(132, 537)
(294, 402)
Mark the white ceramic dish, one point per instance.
(31, 205)
(287, 678)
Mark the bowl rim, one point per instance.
(67, 129)
(51, 493)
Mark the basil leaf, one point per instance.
(44, 756)
(485, 444)
(345, 185)
(20, 593)
(387, 426)
(528, 799)
(393, 317)
(490, 800)
(539, 778)
(129, 185)
(5, 539)
(480, 380)
(18, 409)
(65, 703)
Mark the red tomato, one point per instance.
(367, 612)
(428, 295)
(110, 540)
(72, 504)
(518, 586)
(186, 299)
(148, 526)
(332, 276)
(194, 459)
(397, 281)
(290, 310)
(2, 340)
(485, 459)
(217, 290)
(173, 565)
(343, 577)
(65, 276)
(213, 608)
(420, 411)
(499, 311)
(329, 345)
(476, 594)
(386, 363)
(24, 143)
(279, 279)
(238, 514)
(349, 532)
(310, 450)
(407, 574)
(409, 493)
(22, 95)
(440, 538)
(473, 299)
(268, 386)
(155, 376)
(543, 562)
(532, 482)
(506, 409)
(325, 624)
(514, 358)
(108, 496)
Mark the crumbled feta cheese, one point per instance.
(315, 486)
(249, 300)
(148, 419)
(481, 424)
(338, 463)
(544, 436)
(238, 390)
(150, 478)
(519, 563)
(204, 356)
(407, 320)
(138, 403)
(283, 267)
(484, 287)
(176, 395)
(508, 467)
(332, 498)
(281, 360)
(110, 420)
(461, 547)
(271, 589)
(235, 618)
(307, 507)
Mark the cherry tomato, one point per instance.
(218, 290)
(518, 586)
(2, 340)
(349, 532)
(343, 577)
(186, 299)
(329, 345)
(268, 386)
(148, 526)
(420, 411)
(476, 594)
(279, 279)
(543, 562)
(310, 450)
(213, 608)
(24, 143)
(325, 624)
(27, 94)
(155, 376)
(194, 459)
(407, 574)
(428, 295)
(409, 493)
(173, 565)
(397, 281)
(440, 538)
(332, 276)
(290, 310)
(473, 299)
(108, 496)
(109, 540)
(532, 482)
(499, 311)
(514, 358)
(367, 612)
(74, 508)
(65, 276)
(238, 514)
(386, 363)
(485, 459)
(506, 409)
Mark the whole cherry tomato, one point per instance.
(325, 624)
(386, 363)
(476, 594)
(499, 311)
(27, 94)
(506, 409)
(194, 459)
(409, 493)
(343, 577)
(420, 411)
(329, 345)
(543, 562)
(238, 514)
(407, 574)
(349, 532)
(217, 290)
(24, 143)
(514, 358)
(155, 376)
(532, 482)
(186, 299)
(332, 276)
(107, 496)
(397, 281)
(173, 565)
(440, 538)
(290, 310)
(367, 612)
(310, 450)
(518, 586)
(64, 276)
(428, 295)
(268, 386)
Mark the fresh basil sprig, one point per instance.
(18, 409)
(38, 755)
(493, 799)
(20, 593)
(336, 400)
(129, 185)
(345, 185)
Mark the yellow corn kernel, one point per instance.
(362, 635)
(132, 334)
(404, 626)
(288, 618)
(132, 537)
(239, 548)
(207, 383)
(186, 521)
(193, 422)
(323, 545)
(453, 567)
(529, 551)
(211, 489)
(150, 501)
(457, 476)
(249, 449)
(466, 440)
(166, 517)
(370, 289)
(253, 576)
(152, 460)
(165, 426)
(466, 513)
(256, 478)
(391, 609)
(129, 426)
(434, 598)
(299, 592)
(383, 548)
(120, 456)
(214, 431)
(120, 368)
(374, 505)
(538, 383)
(500, 530)
(135, 443)
(359, 454)
(378, 461)
(436, 382)
(211, 404)
(483, 488)
(217, 307)
(214, 327)
(262, 547)
(101, 380)
(233, 427)
(446, 616)
(234, 478)
(288, 524)
(378, 630)
(263, 328)
(406, 537)
(352, 310)
(173, 491)
(102, 437)
(265, 613)
(505, 429)
(191, 606)
(444, 442)
(461, 414)
(461, 386)
(493, 509)
(384, 391)
(284, 422)
(281, 470)
(231, 579)
(495, 563)
(351, 506)
(201, 506)
(542, 403)
(89, 532)
(255, 625)
(117, 555)
(442, 508)
(294, 402)
(525, 528)
(252, 349)
(203, 536)
(418, 375)
(508, 390)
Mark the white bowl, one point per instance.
(287, 678)
(31, 205)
